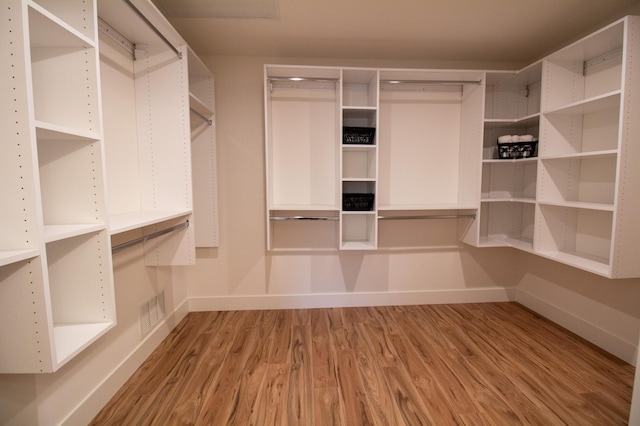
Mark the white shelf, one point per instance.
(135, 220)
(304, 207)
(70, 339)
(508, 122)
(517, 243)
(582, 261)
(7, 257)
(358, 148)
(199, 106)
(60, 232)
(588, 106)
(47, 30)
(358, 212)
(364, 108)
(579, 155)
(358, 245)
(509, 200)
(579, 205)
(509, 160)
(50, 131)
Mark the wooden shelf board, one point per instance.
(583, 261)
(50, 131)
(426, 207)
(590, 105)
(578, 205)
(578, 155)
(304, 207)
(358, 245)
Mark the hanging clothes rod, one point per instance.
(285, 218)
(140, 240)
(153, 27)
(206, 119)
(430, 216)
(432, 82)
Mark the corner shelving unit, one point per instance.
(585, 207)
(56, 280)
(508, 192)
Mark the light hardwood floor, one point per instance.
(472, 364)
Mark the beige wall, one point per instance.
(243, 267)
(600, 309)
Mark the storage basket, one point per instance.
(358, 135)
(357, 202)
(511, 150)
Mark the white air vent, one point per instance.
(151, 312)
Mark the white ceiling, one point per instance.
(518, 31)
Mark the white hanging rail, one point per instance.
(206, 119)
(153, 27)
(432, 82)
(140, 240)
(430, 216)
(321, 79)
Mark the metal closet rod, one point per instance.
(325, 79)
(423, 82)
(208, 120)
(153, 27)
(432, 82)
(140, 240)
(284, 218)
(430, 216)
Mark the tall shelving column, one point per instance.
(359, 163)
(508, 194)
(589, 132)
(203, 152)
(57, 287)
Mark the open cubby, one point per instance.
(358, 231)
(576, 236)
(590, 179)
(509, 179)
(504, 223)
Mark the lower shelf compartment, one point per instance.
(70, 339)
(583, 261)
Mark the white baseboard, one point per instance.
(589, 331)
(104, 391)
(340, 300)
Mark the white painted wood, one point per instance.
(203, 153)
(56, 114)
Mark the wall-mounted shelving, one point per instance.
(56, 282)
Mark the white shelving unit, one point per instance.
(509, 187)
(359, 162)
(302, 107)
(589, 141)
(203, 152)
(146, 87)
(435, 152)
(55, 261)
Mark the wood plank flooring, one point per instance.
(471, 364)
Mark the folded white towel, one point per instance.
(526, 138)
(505, 139)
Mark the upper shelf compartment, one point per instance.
(513, 96)
(586, 69)
(359, 88)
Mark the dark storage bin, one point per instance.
(512, 150)
(358, 135)
(357, 202)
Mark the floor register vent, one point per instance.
(151, 312)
